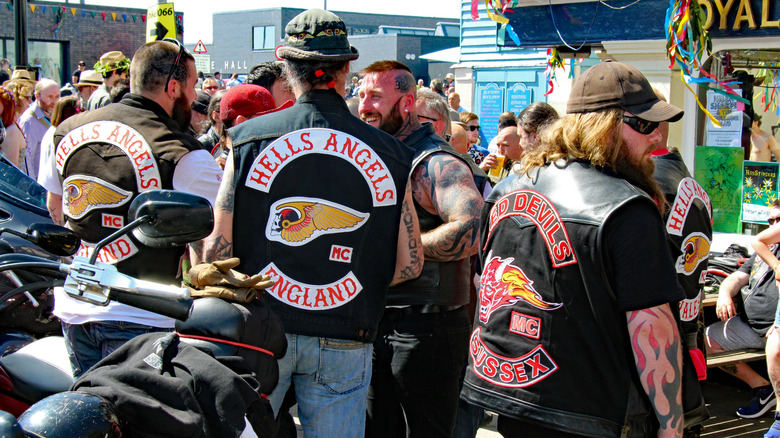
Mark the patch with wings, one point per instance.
(82, 194)
(296, 221)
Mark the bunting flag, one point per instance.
(83, 13)
(93, 14)
(124, 17)
(73, 11)
(10, 6)
(133, 18)
(143, 18)
(32, 8)
(103, 14)
(43, 9)
(554, 62)
(113, 16)
(686, 42)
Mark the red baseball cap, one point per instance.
(247, 100)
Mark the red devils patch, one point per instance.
(509, 372)
(535, 207)
(503, 284)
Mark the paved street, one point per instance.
(723, 395)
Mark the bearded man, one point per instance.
(574, 335)
(140, 143)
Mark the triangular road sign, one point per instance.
(199, 48)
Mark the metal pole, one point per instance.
(20, 27)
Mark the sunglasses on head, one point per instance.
(772, 220)
(641, 126)
(175, 61)
(419, 116)
(474, 128)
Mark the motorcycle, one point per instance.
(157, 219)
(722, 265)
(32, 369)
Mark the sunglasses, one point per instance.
(474, 128)
(426, 118)
(175, 61)
(213, 87)
(772, 220)
(641, 126)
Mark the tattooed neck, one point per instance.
(410, 125)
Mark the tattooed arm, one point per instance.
(444, 186)
(656, 345)
(219, 244)
(409, 253)
(54, 205)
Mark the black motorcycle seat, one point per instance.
(39, 369)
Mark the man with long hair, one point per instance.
(574, 335)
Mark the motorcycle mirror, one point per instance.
(53, 238)
(177, 218)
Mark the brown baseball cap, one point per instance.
(616, 85)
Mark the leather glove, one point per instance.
(221, 273)
(239, 295)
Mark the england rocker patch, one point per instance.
(503, 284)
(311, 296)
(509, 372)
(296, 221)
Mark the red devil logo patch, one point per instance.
(504, 284)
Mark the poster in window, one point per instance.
(759, 190)
(729, 113)
(719, 172)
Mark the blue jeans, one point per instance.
(88, 343)
(331, 379)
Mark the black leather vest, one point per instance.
(441, 283)
(107, 156)
(547, 319)
(688, 219)
(317, 206)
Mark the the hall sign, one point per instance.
(592, 22)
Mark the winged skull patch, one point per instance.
(82, 194)
(296, 221)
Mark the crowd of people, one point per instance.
(422, 278)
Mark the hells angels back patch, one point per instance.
(298, 221)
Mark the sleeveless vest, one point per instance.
(317, 207)
(441, 283)
(105, 158)
(548, 319)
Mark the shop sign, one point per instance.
(729, 113)
(591, 22)
(759, 190)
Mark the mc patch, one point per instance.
(509, 372)
(504, 284)
(525, 325)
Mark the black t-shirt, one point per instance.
(760, 295)
(644, 274)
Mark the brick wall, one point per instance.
(84, 38)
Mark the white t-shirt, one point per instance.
(196, 173)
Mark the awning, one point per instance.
(447, 55)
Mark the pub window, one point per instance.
(263, 37)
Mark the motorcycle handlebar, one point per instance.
(177, 306)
